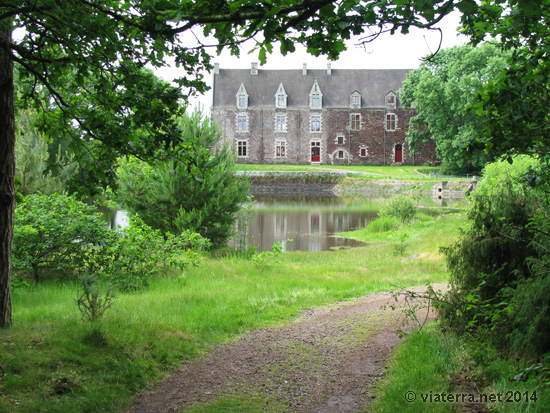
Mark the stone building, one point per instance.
(340, 117)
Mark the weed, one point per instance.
(92, 302)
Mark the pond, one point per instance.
(311, 222)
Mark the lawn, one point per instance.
(51, 360)
(412, 173)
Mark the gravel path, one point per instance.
(328, 360)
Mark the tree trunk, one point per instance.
(7, 172)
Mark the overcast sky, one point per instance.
(387, 52)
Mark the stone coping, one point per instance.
(296, 173)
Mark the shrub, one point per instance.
(401, 207)
(139, 252)
(56, 234)
(92, 301)
(499, 266)
(62, 237)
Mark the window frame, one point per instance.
(391, 122)
(315, 120)
(280, 122)
(356, 121)
(242, 122)
(280, 149)
(242, 144)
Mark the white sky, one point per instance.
(386, 52)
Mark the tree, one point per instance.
(442, 89)
(87, 55)
(32, 155)
(160, 191)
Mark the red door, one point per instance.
(315, 151)
(398, 153)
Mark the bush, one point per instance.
(401, 207)
(58, 235)
(140, 252)
(92, 301)
(499, 266)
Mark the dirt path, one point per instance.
(328, 360)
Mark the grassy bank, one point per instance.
(405, 173)
(52, 361)
(436, 372)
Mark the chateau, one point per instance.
(340, 117)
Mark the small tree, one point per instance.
(199, 193)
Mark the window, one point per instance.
(242, 149)
(242, 98)
(355, 100)
(315, 96)
(340, 140)
(315, 100)
(355, 121)
(363, 152)
(242, 122)
(391, 100)
(280, 97)
(340, 154)
(280, 149)
(315, 123)
(280, 123)
(391, 121)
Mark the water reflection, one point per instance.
(310, 221)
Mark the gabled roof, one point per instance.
(373, 85)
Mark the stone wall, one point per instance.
(340, 144)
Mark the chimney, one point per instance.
(216, 68)
(329, 69)
(254, 68)
(304, 69)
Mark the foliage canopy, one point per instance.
(442, 89)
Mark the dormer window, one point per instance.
(355, 100)
(242, 98)
(315, 96)
(391, 100)
(280, 97)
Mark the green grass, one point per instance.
(422, 364)
(379, 172)
(148, 333)
(430, 364)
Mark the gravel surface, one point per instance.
(327, 360)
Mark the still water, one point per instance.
(310, 221)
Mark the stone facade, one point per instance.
(340, 117)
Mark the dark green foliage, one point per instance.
(201, 195)
(56, 236)
(499, 266)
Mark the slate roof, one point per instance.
(373, 85)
